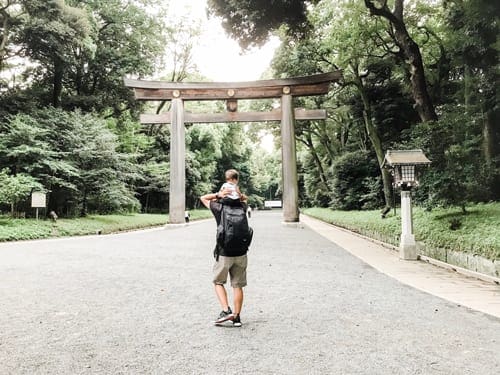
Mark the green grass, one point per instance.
(477, 231)
(29, 229)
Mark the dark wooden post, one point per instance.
(289, 159)
(177, 203)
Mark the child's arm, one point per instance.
(205, 199)
(243, 197)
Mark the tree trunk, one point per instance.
(375, 139)
(315, 156)
(491, 148)
(79, 78)
(4, 36)
(326, 142)
(468, 88)
(423, 102)
(57, 82)
(420, 93)
(83, 211)
(377, 146)
(490, 144)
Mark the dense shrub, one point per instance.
(356, 184)
(74, 156)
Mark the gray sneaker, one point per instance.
(224, 316)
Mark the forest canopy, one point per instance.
(416, 74)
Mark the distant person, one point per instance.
(231, 248)
(249, 211)
(53, 216)
(186, 216)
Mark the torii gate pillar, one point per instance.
(177, 202)
(289, 162)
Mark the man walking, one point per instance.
(230, 258)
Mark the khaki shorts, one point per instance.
(236, 267)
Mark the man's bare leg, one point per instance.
(238, 300)
(221, 293)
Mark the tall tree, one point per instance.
(73, 155)
(52, 33)
(349, 43)
(411, 51)
(474, 49)
(251, 21)
(259, 18)
(129, 41)
(76, 52)
(10, 18)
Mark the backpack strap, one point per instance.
(220, 229)
(216, 252)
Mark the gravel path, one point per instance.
(142, 303)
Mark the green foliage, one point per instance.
(317, 193)
(128, 40)
(457, 174)
(104, 173)
(355, 182)
(205, 150)
(153, 188)
(75, 53)
(11, 16)
(78, 51)
(236, 151)
(376, 92)
(16, 188)
(250, 21)
(52, 32)
(30, 229)
(74, 156)
(265, 175)
(368, 111)
(478, 233)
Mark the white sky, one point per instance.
(217, 56)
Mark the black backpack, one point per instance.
(234, 235)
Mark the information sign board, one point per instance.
(38, 199)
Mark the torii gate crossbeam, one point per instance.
(178, 92)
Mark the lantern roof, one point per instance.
(405, 157)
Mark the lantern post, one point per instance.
(403, 164)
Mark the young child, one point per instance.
(231, 184)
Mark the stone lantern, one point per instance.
(403, 164)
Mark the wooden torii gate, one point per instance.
(178, 92)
